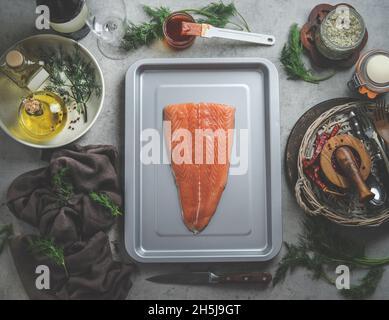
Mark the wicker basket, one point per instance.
(309, 199)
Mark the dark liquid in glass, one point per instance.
(172, 30)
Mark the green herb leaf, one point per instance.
(158, 16)
(48, 248)
(5, 232)
(322, 245)
(219, 15)
(291, 58)
(61, 184)
(71, 77)
(295, 257)
(145, 33)
(320, 235)
(105, 201)
(367, 285)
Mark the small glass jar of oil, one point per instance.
(42, 115)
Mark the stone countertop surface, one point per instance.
(271, 17)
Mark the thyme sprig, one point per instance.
(48, 248)
(321, 246)
(5, 232)
(105, 201)
(71, 76)
(217, 14)
(62, 185)
(291, 58)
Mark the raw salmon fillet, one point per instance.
(202, 176)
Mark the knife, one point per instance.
(202, 278)
(207, 31)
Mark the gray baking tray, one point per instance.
(247, 225)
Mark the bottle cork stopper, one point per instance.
(14, 59)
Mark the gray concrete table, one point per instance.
(272, 17)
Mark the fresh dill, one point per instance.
(217, 14)
(61, 184)
(105, 201)
(5, 232)
(367, 285)
(145, 33)
(64, 190)
(291, 59)
(48, 248)
(322, 246)
(72, 77)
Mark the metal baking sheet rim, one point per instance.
(274, 163)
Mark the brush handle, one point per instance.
(263, 39)
(207, 31)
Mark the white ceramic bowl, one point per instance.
(11, 95)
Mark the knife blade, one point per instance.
(208, 31)
(202, 278)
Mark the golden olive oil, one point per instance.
(42, 115)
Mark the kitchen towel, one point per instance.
(75, 223)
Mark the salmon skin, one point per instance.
(199, 143)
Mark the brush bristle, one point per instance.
(191, 29)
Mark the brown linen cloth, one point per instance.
(78, 225)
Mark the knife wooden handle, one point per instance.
(253, 277)
(347, 162)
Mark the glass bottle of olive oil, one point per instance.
(42, 115)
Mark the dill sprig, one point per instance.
(5, 232)
(145, 33)
(64, 189)
(367, 285)
(105, 201)
(48, 248)
(217, 14)
(61, 184)
(72, 77)
(291, 58)
(321, 246)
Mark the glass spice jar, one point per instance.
(371, 77)
(172, 27)
(341, 33)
